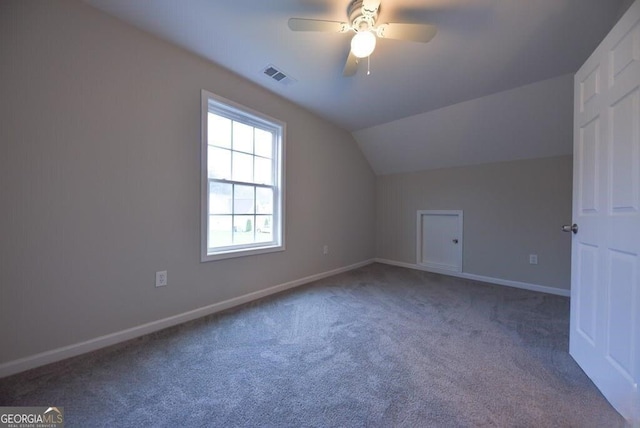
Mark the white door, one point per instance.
(439, 244)
(605, 272)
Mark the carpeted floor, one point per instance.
(378, 346)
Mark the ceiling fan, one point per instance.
(362, 20)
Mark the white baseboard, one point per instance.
(498, 281)
(33, 361)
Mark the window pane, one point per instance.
(264, 143)
(219, 131)
(264, 200)
(243, 202)
(219, 163)
(220, 198)
(242, 167)
(243, 229)
(220, 230)
(242, 137)
(263, 171)
(264, 232)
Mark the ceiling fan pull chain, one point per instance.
(369, 65)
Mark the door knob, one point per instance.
(455, 241)
(570, 228)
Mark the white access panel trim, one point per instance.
(439, 240)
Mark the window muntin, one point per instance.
(242, 153)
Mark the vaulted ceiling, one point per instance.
(482, 47)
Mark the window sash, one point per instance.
(275, 229)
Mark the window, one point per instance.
(242, 180)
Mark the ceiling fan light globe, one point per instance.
(363, 44)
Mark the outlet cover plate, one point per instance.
(161, 278)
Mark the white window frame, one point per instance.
(227, 108)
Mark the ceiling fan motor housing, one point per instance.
(359, 16)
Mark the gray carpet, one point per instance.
(378, 346)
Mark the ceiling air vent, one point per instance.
(278, 75)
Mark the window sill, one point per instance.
(231, 254)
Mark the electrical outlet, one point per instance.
(533, 259)
(325, 250)
(161, 278)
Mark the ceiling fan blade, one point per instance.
(351, 66)
(371, 5)
(301, 24)
(413, 32)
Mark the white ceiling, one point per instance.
(482, 47)
(531, 121)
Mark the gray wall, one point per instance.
(511, 209)
(99, 173)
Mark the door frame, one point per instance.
(419, 238)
